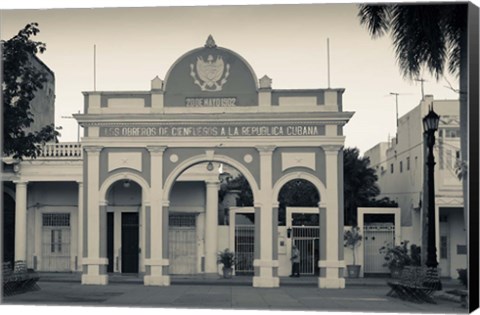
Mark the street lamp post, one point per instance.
(430, 125)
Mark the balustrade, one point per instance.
(61, 150)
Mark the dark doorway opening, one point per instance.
(8, 228)
(110, 241)
(130, 241)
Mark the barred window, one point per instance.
(181, 219)
(56, 219)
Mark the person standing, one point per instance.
(295, 262)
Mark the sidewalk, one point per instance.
(308, 281)
(236, 293)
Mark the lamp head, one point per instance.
(210, 166)
(431, 121)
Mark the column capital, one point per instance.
(265, 149)
(93, 149)
(331, 148)
(210, 182)
(322, 204)
(20, 182)
(156, 149)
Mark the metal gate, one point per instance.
(56, 242)
(244, 249)
(376, 236)
(307, 240)
(182, 243)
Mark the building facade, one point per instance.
(139, 194)
(42, 107)
(400, 166)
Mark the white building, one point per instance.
(138, 195)
(400, 167)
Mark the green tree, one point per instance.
(241, 185)
(21, 79)
(359, 181)
(431, 36)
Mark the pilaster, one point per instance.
(80, 226)
(95, 260)
(331, 274)
(155, 262)
(21, 220)
(211, 227)
(265, 277)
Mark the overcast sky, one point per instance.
(285, 42)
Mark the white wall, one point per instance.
(50, 197)
(188, 197)
(457, 237)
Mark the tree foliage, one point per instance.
(423, 34)
(359, 183)
(242, 187)
(21, 79)
(430, 35)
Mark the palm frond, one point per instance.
(375, 18)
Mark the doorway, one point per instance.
(110, 235)
(130, 242)
(304, 226)
(182, 243)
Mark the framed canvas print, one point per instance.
(261, 156)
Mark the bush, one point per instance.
(227, 258)
(397, 257)
(462, 276)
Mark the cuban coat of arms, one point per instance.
(212, 73)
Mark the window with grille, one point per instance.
(56, 219)
(181, 219)
(55, 224)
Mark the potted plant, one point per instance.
(397, 257)
(352, 239)
(227, 258)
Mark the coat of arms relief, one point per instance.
(210, 74)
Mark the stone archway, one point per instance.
(209, 217)
(203, 158)
(126, 199)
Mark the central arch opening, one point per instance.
(202, 200)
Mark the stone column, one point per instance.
(95, 261)
(211, 227)
(265, 276)
(21, 221)
(80, 226)
(331, 269)
(155, 264)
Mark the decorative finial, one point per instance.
(210, 42)
(265, 82)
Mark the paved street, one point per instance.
(354, 298)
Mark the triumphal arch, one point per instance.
(210, 107)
